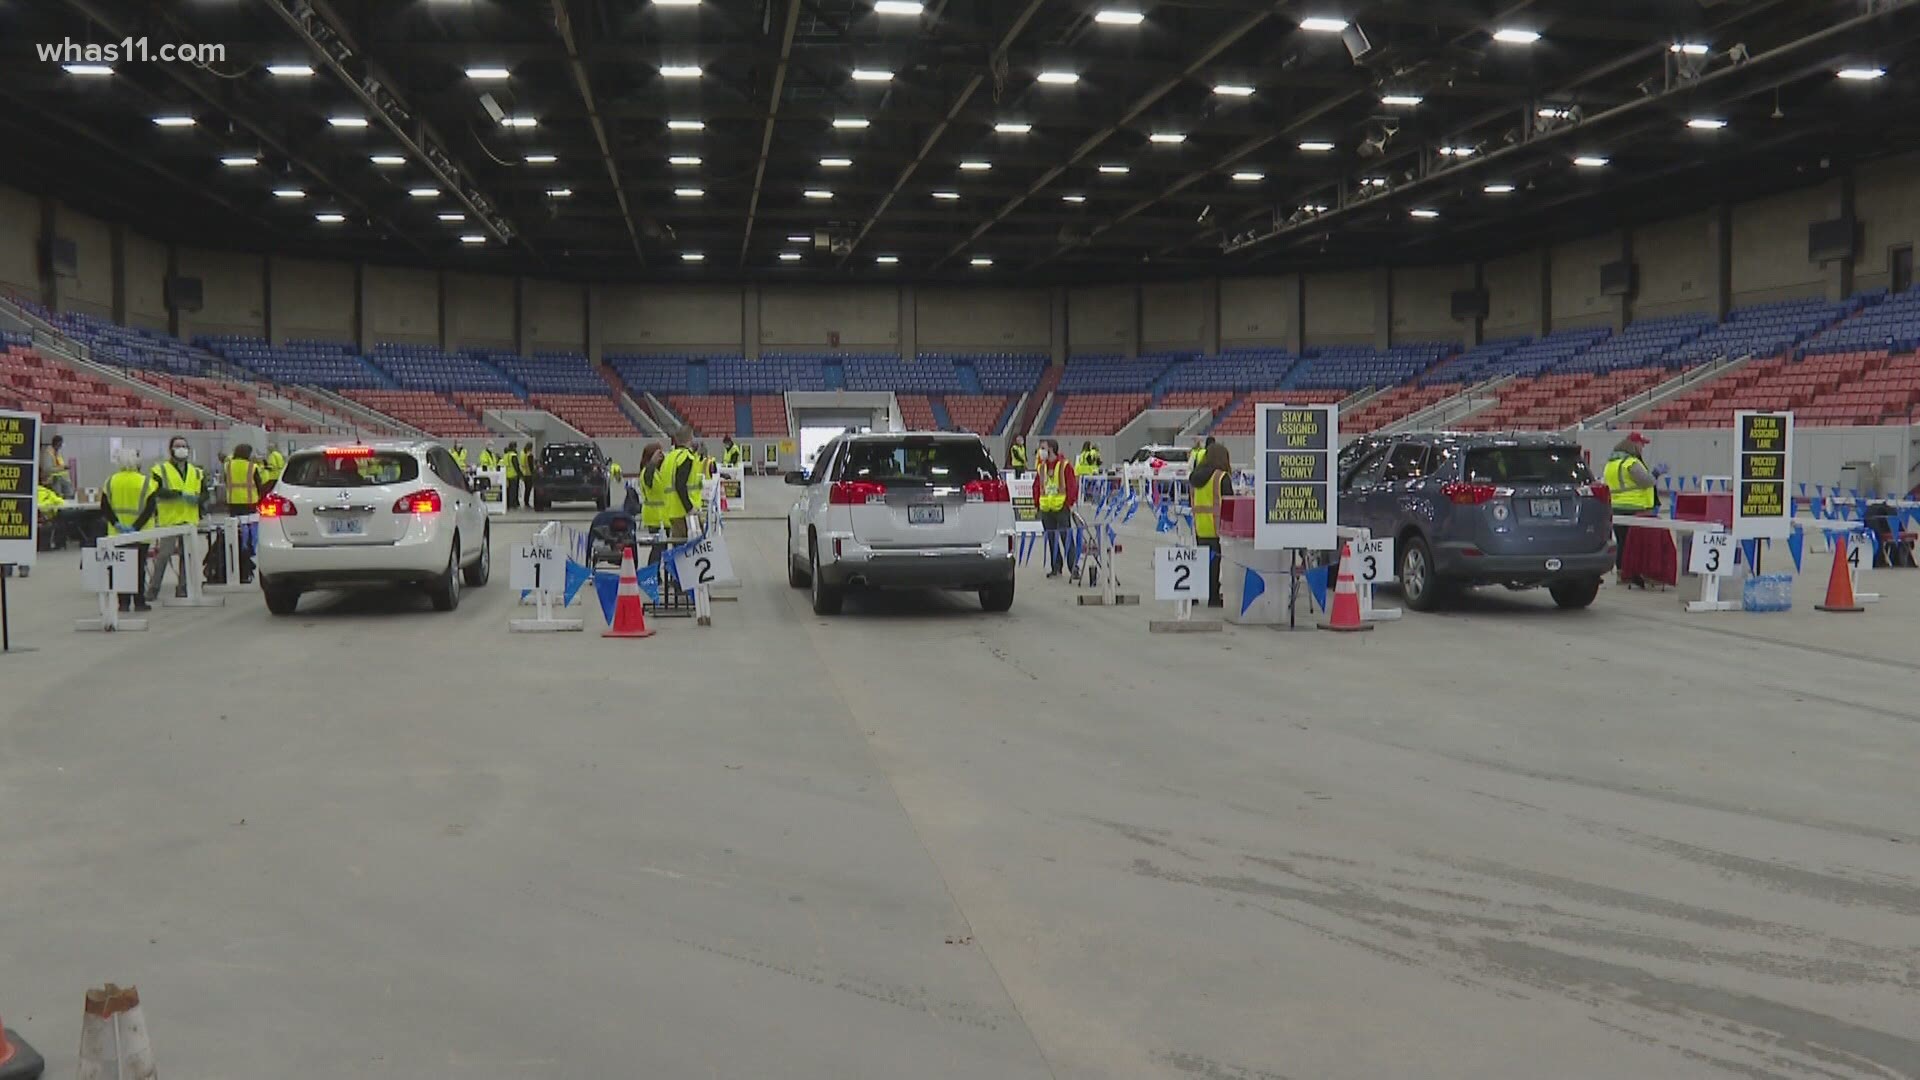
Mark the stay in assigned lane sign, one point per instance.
(19, 476)
(1294, 450)
(1763, 468)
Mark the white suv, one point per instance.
(372, 516)
(902, 511)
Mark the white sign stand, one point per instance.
(192, 575)
(540, 567)
(1711, 557)
(1180, 575)
(1373, 565)
(733, 486)
(494, 496)
(704, 562)
(104, 576)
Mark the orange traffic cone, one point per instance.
(1346, 598)
(1840, 580)
(629, 617)
(17, 1059)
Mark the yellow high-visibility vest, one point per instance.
(510, 461)
(276, 464)
(46, 500)
(1626, 494)
(126, 496)
(488, 460)
(1017, 455)
(460, 458)
(671, 507)
(179, 490)
(654, 489)
(734, 455)
(1205, 498)
(242, 487)
(1051, 490)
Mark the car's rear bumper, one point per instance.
(571, 490)
(920, 568)
(1452, 561)
(417, 557)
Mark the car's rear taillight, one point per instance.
(425, 501)
(988, 491)
(277, 506)
(1597, 491)
(1463, 494)
(856, 493)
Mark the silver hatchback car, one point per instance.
(1469, 509)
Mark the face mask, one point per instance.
(180, 453)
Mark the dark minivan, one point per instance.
(570, 472)
(1471, 509)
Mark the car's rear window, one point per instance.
(567, 455)
(917, 461)
(350, 470)
(1164, 453)
(1526, 465)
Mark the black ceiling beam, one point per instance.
(563, 26)
(773, 111)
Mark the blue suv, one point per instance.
(1470, 509)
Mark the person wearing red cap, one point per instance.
(1631, 483)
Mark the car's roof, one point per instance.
(378, 445)
(866, 436)
(1496, 438)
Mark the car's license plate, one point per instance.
(568, 473)
(1546, 508)
(346, 526)
(926, 515)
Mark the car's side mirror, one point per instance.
(797, 477)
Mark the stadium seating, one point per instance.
(593, 414)
(1241, 417)
(546, 372)
(234, 400)
(424, 367)
(1644, 344)
(1111, 374)
(126, 346)
(978, 413)
(62, 395)
(1763, 330)
(710, 415)
(1006, 373)
(642, 375)
(1891, 325)
(1235, 370)
(435, 414)
(1392, 405)
(1354, 367)
(916, 412)
(331, 364)
(1551, 402)
(1496, 359)
(769, 415)
(1096, 414)
(927, 374)
(768, 375)
(1862, 387)
(1213, 400)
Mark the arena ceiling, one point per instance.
(1005, 140)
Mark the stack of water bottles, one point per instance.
(1767, 592)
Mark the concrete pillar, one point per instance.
(1622, 305)
(596, 324)
(1839, 272)
(1720, 259)
(1210, 316)
(1294, 300)
(750, 322)
(50, 291)
(1383, 308)
(1058, 325)
(362, 309)
(1543, 319)
(117, 254)
(1130, 348)
(520, 343)
(909, 324)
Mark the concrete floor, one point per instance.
(919, 841)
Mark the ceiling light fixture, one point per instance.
(1553, 112)
(1423, 213)
(976, 166)
(387, 159)
(1316, 146)
(1010, 127)
(1168, 137)
(689, 193)
(1373, 181)
(560, 193)
(473, 238)
(1314, 208)
(1118, 17)
(898, 7)
(424, 192)
(980, 260)
(93, 70)
(1498, 189)
(1456, 151)
(850, 123)
(1073, 198)
(1515, 36)
(487, 74)
(1405, 100)
(817, 193)
(519, 122)
(1706, 123)
(451, 216)
(799, 238)
(290, 71)
(173, 121)
(347, 121)
(886, 260)
(1249, 177)
(1233, 89)
(239, 161)
(1116, 170)
(1689, 48)
(329, 217)
(789, 256)
(676, 3)
(683, 159)
(835, 162)
(1860, 74)
(949, 196)
(693, 256)
(289, 193)
(680, 71)
(686, 125)
(1322, 25)
(1590, 161)
(1058, 78)
(541, 159)
(871, 75)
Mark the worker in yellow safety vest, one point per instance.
(697, 484)
(56, 473)
(1017, 456)
(243, 497)
(488, 459)
(613, 471)
(1055, 489)
(510, 461)
(271, 469)
(179, 486)
(1631, 483)
(526, 474)
(731, 453)
(681, 483)
(1088, 462)
(128, 501)
(653, 489)
(1211, 481)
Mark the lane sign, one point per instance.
(110, 569)
(1764, 466)
(1373, 561)
(538, 567)
(704, 563)
(1712, 553)
(1294, 451)
(1180, 573)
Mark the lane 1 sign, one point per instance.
(1180, 573)
(110, 569)
(538, 567)
(704, 563)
